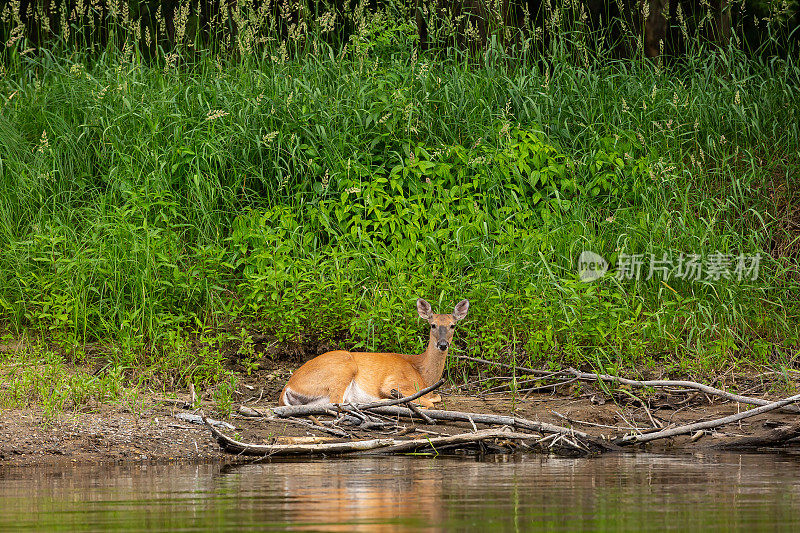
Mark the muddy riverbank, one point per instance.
(152, 430)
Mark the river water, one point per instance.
(632, 492)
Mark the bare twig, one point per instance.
(177, 402)
(626, 421)
(482, 418)
(533, 371)
(656, 423)
(589, 376)
(584, 423)
(504, 388)
(367, 421)
(428, 420)
(689, 428)
(458, 416)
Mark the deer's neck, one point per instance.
(430, 363)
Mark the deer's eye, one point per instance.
(433, 326)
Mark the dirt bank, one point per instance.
(149, 431)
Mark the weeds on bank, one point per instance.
(314, 196)
(34, 374)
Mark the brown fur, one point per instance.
(376, 374)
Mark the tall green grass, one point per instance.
(154, 207)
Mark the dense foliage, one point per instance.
(162, 207)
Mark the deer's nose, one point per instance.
(442, 345)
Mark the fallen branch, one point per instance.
(233, 446)
(385, 408)
(451, 440)
(435, 414)
(397, 401)
(249, 412)
(452, 416)
(305, 410)
(481, 418)
(589, 376)
(236, 447)
(686, 384)
(543, 373)
(318, 427)
(774, 437)
(690, 428)
(584, 423)
(428, 420)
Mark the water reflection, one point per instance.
(627, 492)
(359, 495)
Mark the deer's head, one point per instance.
(441, 326)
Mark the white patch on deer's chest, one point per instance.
(355, 394)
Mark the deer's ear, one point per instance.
(461, 309)
(424, 309)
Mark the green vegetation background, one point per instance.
(154, 211)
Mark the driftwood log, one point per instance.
(371, 445)
(775, 437)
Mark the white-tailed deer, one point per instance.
(360, 377)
